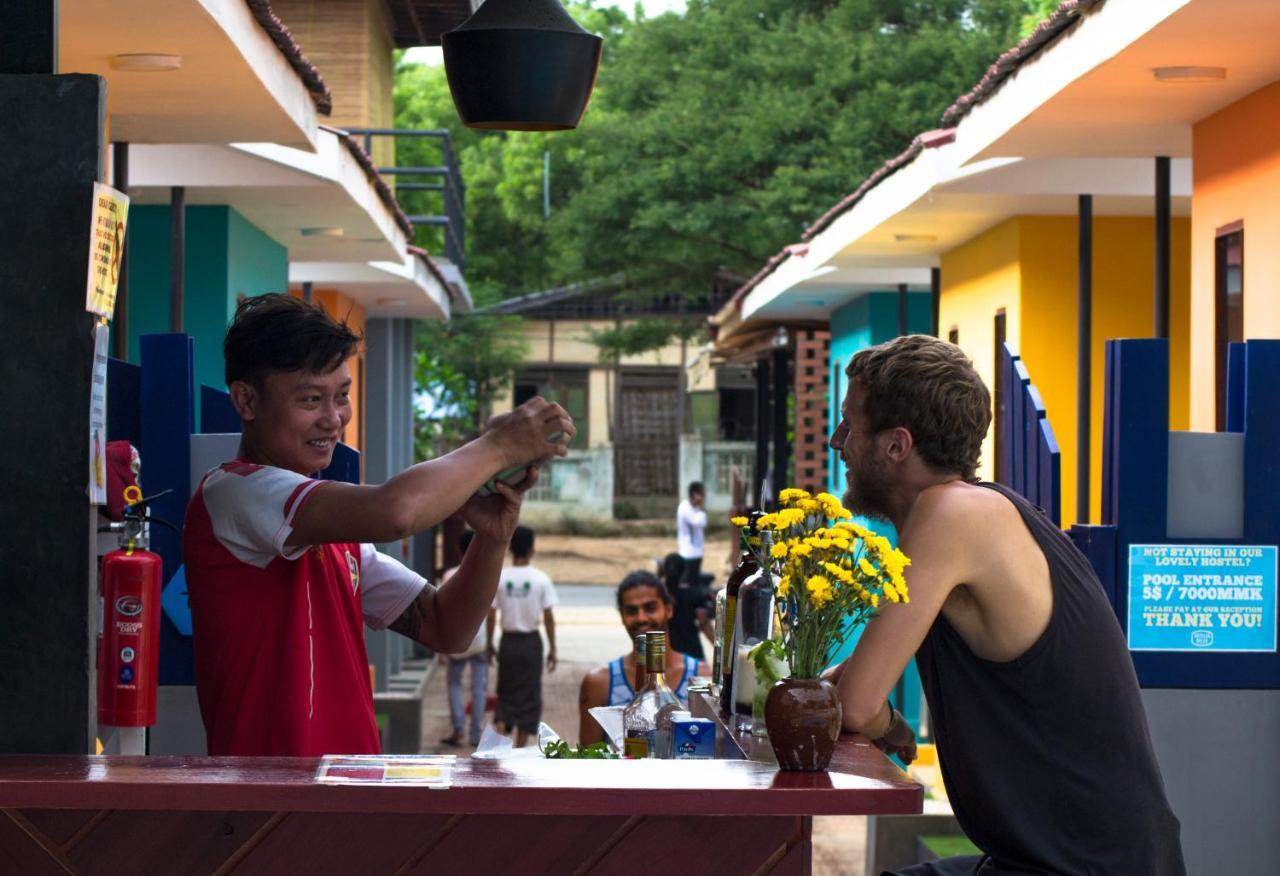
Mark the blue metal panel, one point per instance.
(1139, 405)
(1050, 467)
(1098, 544)
(1262, 442)
(124, 386)
(1034, 409)
(1110, 377)
(1017, 449)
(344, 467)
(217, 414)
(1235, 387)
(168, 419)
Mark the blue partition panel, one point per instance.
(217, 414)
(1262, 442)
(168, 419)
(1050, 468)
(1135, 476)
(1034, 409)
(1098, 544)
(1235, 388)
(124, 393)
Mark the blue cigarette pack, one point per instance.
(693, 738)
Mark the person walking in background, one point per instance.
(525, 595)
(683, 573)
(475, 658)
(691, 523)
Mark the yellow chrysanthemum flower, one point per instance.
(792, 494)
(819, 589)
(841, 543)
(803, 549)
(784, 586)
(765, 520)
(778, 551)
(739, 521)
(866, 568)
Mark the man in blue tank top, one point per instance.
(645, 606)
(1035, 707)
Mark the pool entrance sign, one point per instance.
(1210, 597)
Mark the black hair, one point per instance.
(643, 579)
(697, 487)
(522, 542)
(464, 541)
(279, 333)
(672, 570)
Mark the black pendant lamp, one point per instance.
(521, 65)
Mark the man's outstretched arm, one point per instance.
(935, 546)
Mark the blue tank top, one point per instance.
(621, 692)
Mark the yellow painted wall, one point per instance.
(978, 278)
(1027, 265)
(1235, 177)
(1123, 280)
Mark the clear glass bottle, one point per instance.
(646, 723)
(754, 625)
(718, 655)
(642, 666)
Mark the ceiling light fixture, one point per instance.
(916, 238)
(521, 65)
(391, 302)
(146, 63)
(1190, 74)
(323, 231)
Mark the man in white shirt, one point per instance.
(691, 522)
(525, 596)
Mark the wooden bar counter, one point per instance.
(150, 815)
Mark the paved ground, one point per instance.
(588, 634)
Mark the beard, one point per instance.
(869, 489)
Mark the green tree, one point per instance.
(460, 366)
(713, 138)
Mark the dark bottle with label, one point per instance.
(746, 567)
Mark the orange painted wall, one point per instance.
(1235, 168)
(342, 308)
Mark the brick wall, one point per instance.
(812, 376)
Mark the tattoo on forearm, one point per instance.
(414, 618)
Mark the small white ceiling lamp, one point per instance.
(915, 238)
(391, 302)
(323, 231)
(146, 63)
(1189, 74)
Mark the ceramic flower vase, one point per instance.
(803, 719)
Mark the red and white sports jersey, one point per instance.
(280, 661)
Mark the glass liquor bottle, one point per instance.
(642, 722)
(717, 657)
(754, 625)
(746, 567)
(642, 667)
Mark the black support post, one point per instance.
(1162, 247)
(177, 254)
(120, 322)
(306, 291)
(781, 446)
(902, 309)
(762, 431)
(1084, 353)
(935, 294)
(51, 154)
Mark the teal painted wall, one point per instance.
(226, 256)
(869, 320)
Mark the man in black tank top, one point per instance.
(1041, 735)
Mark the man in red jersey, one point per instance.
(281, 570)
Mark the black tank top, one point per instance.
(1047, 759)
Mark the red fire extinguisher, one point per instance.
(129, 631)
